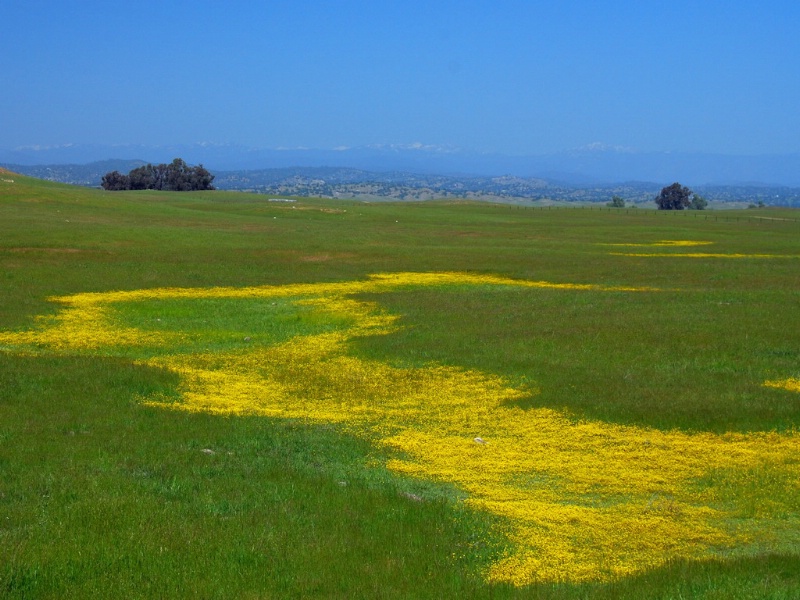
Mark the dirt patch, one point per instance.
(6, 176)
(323, 209)
(325, 257)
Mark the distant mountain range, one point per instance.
(418, 172)
(594, 164)
(344, 182)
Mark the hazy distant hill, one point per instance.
(89, 174)
(342, 182)
(594, 164)
(367, 185)
(398, 185)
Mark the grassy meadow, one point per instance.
(213, 395)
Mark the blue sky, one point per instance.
(496, 76)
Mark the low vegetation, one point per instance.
(214, 395)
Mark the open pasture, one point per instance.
(215, 395)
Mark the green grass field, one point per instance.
(631, 377)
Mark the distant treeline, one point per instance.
(175, 177)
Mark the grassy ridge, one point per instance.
(104, 496)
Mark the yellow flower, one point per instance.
(791, 384)
(579, 501)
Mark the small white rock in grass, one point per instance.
(480, 440)
(207, 451)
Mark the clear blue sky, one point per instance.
(500, 76)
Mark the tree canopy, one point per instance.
(674, 197)
(679, 197)
(616, 202)
(176, 177)
(698, 202)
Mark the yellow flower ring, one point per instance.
(579, 501)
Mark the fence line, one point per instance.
(707, 215)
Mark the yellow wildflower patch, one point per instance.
(685, 244)
(578, 500)
(667, 243)
(792, 384)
